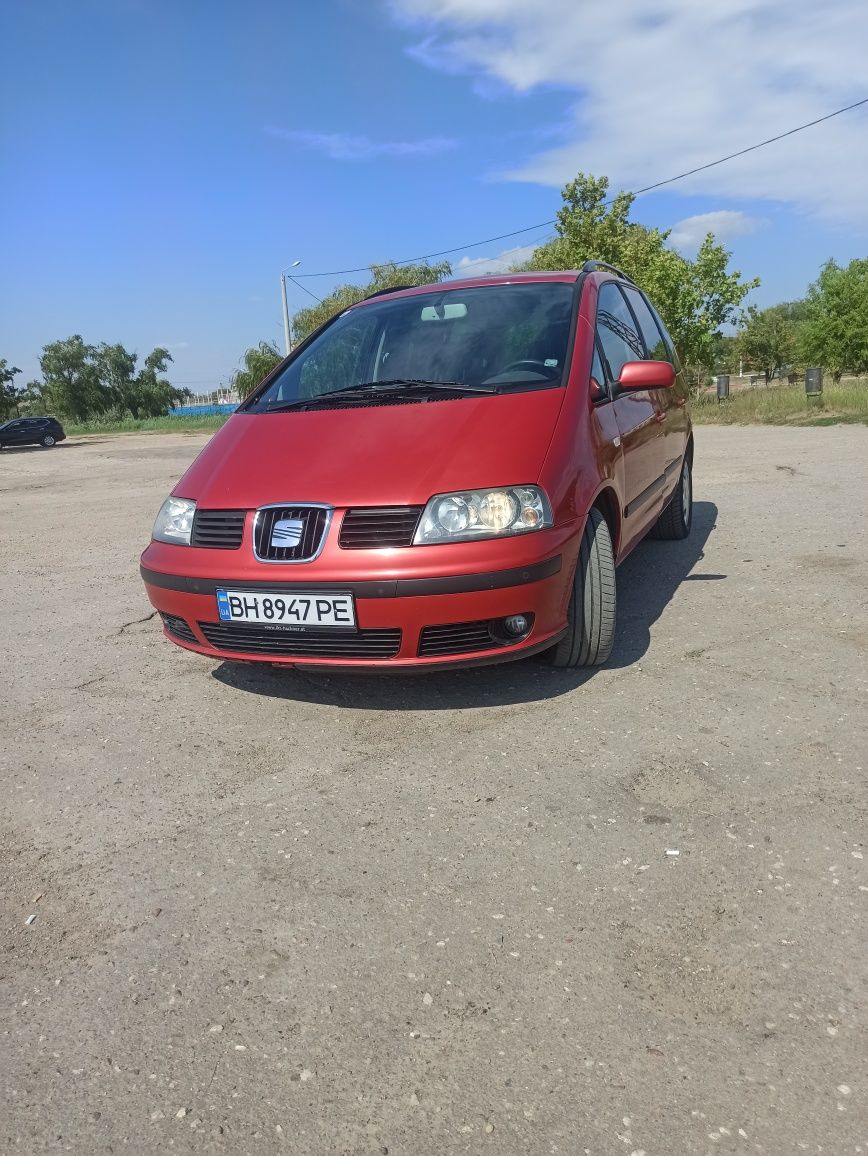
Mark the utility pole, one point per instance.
(286, 338)
(287, 332)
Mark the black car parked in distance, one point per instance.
(31, 431)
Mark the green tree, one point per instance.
(10, 394)
(116, 368)
(258, 362)
(695, 298)
(767, 340)
(71, 380)
(34, 399)
(726, 354)
(151, 394)
(387, 276)
(85, 381)
(835, 331)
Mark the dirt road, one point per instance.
(512, 910)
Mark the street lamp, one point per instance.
(286, 334)
(283, 277)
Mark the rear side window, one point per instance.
(616, 329)
(654, 343)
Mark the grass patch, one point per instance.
(184, 423)
(786, 405)
(774, 405)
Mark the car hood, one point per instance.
(380, 454)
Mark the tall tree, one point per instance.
(10, 393)
(258, 362)
(152, 394)
(695, 298)
(116, 368)
(767, 340)
(71, 378)
(835, 332)
(85, 381)
(387, 276)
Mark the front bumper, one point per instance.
(397, 600)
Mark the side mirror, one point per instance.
(647, 375)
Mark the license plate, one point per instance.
(300, 611)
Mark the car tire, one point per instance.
(591, 611)
(47, 440)
(675, 521)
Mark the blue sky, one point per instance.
(164, 161)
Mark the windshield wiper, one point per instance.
(391, 385)
(463, 386)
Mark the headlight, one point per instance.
(475, 514)
(174, 522)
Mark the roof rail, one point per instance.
(392, 289)
(591, 266)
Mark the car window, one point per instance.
(509, 336)
(670, 344)
(616, 329)
(598, 377)
(654, 343)
(335, 364)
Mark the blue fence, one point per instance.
(200, 410)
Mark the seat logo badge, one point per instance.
(286, 533)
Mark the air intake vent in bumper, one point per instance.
(256, 639)
(456, 638)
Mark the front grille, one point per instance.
(218, 529)
(379, 526)
(326, 643)
(178, 626)
(313, 520)
(456, 638)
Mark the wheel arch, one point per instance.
(607, 503)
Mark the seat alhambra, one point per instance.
(439, 476)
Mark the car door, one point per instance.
(670, 402)
(15, 434)
(637, 412)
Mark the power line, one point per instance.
(637, 193)
(439, 253)
(752, 148)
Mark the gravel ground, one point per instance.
(511, 910)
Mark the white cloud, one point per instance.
(502, 263)
(688, 235)
(663, 86)
(341, 146)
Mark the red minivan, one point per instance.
(439, 476)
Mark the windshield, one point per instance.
(504, 337)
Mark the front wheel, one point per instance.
(591, 611)
(47, 441)
(677, 518)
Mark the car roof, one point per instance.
(564, 276)
(598, 271)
